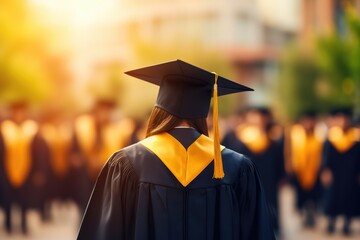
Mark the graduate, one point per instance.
(24, 165)
(99, 135)
(340, 170)
(57, 133)
(255, 139)
(178, 183)
(139, 132)
(96, 136)
(305, 155)
(2, 172)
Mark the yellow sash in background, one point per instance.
(256, 140)
(17, 141)
(342, 141)
(305, 156)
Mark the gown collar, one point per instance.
(184, 163)
(185, 135)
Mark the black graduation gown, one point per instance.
(342, 196)
(137, 197)
(78, 179)
(2, 171)
(41, 166)
(270, 165)
(304, 196)
(32, 193)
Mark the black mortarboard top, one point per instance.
(346, 111)
(185, 90)
(263, 110)
(105, 102)
(307, 113)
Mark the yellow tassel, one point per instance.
(218, 165)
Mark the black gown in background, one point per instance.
(270, 165)
(32, 193)
(342, 196)
(137, 197)
(2, 172)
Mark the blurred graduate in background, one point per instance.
(97, 135)
(258, 139)
(340, 170)
(24, 165)
(305, 145)
(57, 132)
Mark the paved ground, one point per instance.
(66, 219)
(63, 226)
(292, 223)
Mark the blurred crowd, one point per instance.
(54, 157)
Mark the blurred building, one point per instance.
(322, 17)
(249, 33)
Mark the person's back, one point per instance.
(166, 187)
(140, 198)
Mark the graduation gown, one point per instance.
(58, 139)
(91, 146)
(306, 151)
(342, 196)
(24, 168)
(2, 171)
(136, 196)
(270, 164)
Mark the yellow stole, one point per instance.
(184, 164)
(253, 137)
(305, 155)
(17, 141)
(113, 137)
(58, 139)
(342, 141)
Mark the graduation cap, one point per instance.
(263, 110)
(345, 110)
(310, 113)
(186, 91)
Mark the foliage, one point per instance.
(353, 20)
(297, 90)
(28, 69)
(340, 63)
(324, 78)
(107, 82)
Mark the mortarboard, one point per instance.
(186, 91)
(310, 113)
(345, 110)
(263, 110)
(105, 102)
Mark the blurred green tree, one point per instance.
(340, 62)
(328, 76)
(107, 82)
(353, 20)
(297, 87)
(28, 69)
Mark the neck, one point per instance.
(183, 124)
